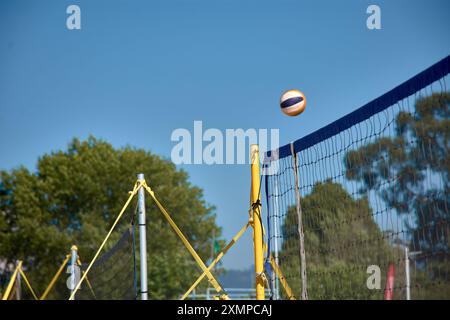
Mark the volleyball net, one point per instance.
(112, 276)
(360, 208)
(112, 272)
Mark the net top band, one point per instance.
(404, 90)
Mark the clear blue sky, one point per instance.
(137, 70)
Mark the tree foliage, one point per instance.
(341, 241)
(73, 197)
(409, 171)
(415, 165)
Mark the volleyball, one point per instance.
(292, 102)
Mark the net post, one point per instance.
(142, 239)
(408, 282)
(257, 223)
(11, 283)
(300, 226)
(73, 263)
(275, 243)
(18, 283)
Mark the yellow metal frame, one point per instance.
(28, 284)
(284, 283)
(189, 247)
(258, 236)
(55, 278)
(142, 184)
(217, 259)
(254, 221)
(13, 279)
(132, 193)
(58, 274)
(87, 280)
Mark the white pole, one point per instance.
(408, 284)
(142, 240)
(276, 237)
(300, 226)
(73, 263)
(18, 285)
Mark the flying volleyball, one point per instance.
(293, 102)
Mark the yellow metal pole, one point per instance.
(55, 278)
(257, 223)
(221, 254)
(185, 241)
(28, 284)
(280, 276)
(87, 280)
(131, 195)
(11, 281)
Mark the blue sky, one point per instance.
(137, 70)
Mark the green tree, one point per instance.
(73, 197)
(341, 241)
(414, 164)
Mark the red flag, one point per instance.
(389, 291)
